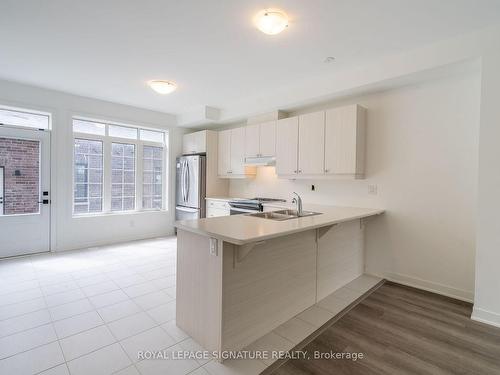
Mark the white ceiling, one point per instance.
(109, 49)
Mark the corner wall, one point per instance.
(68, 232)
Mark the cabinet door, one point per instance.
(268, 138)
(252, 140)
(340, 140)
(188, 143)
(237, 151)
(200, 141)
(312, 143)
(224, 153)
(287, 133)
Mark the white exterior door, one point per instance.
(25, 215)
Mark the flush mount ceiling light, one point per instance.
(271, 21)
(162, 87)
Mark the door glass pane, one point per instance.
(152, 186)
(88, 176)
(122, 177)
(20, 169)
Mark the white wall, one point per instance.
(422, 146)
(487, 299)
(68, 232)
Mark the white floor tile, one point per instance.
(91, 280)
(270, 343)
(131, 370)
(140, 289)
(26, 340)
(10, 311)
(167, 366)
(334, 304)
(127, 281)
(70, 309)
(101, 288)
(64, 297)
(316, 316)
(131, 325)
(363, 283)
(109, 298)
(295, 330)
(148, 301)
(104, 361)
(77, 324)
(20, 296)
(118, 310)
(163, 313)
(235, 367)
(59, 287)
(23, 322)
(86, 342)
(197, 350)
(199, 371)
(173, 331)
(58, 370)
(33, 361)
(150, 340)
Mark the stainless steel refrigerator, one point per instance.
(190, 187)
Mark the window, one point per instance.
(152, 177)
(16, 117)
(117, 168)
(122, 177)
(88, 176)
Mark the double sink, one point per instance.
(282, 215)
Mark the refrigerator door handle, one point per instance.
(183, 179)
(187, 181)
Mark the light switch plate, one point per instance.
(213, 246)
(372, 189)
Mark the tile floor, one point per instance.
(90, 311)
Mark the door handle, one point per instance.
(187, 181)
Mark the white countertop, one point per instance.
(243, 229)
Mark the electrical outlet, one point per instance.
(313, 188)
(213, 246)
(372, 189)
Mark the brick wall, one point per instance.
(21, 192)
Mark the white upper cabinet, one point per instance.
(252, 141)
(268, 138)
(322, 144)
(238, 151)
(287, 138)
(345, 136)
(260, 140)
(312, 143)
(194, 143)
(224, 153)
(231, 154)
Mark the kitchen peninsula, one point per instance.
(241, 276)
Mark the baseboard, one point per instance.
(485, 316)
(116, 240)
(445, 290)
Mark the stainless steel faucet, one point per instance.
(298, 201)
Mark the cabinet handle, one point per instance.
(295, 171)
(229, 171)
(327, 170)
(300, 170)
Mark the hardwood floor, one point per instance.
(402, 330)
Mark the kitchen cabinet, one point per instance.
(231, 154)
(325, 144)
(287, 138)
(194, 143)
(345, 134)
(311, 143)
(260, 140)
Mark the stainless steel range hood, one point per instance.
(260, 160)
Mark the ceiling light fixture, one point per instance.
(162, 87)
(271, 21)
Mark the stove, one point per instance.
(243, 206)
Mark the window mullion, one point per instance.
(107, 175)
(139, 176)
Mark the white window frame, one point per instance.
(139, 151)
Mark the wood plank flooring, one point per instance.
(402, 330)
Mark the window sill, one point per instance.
(105, 214)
